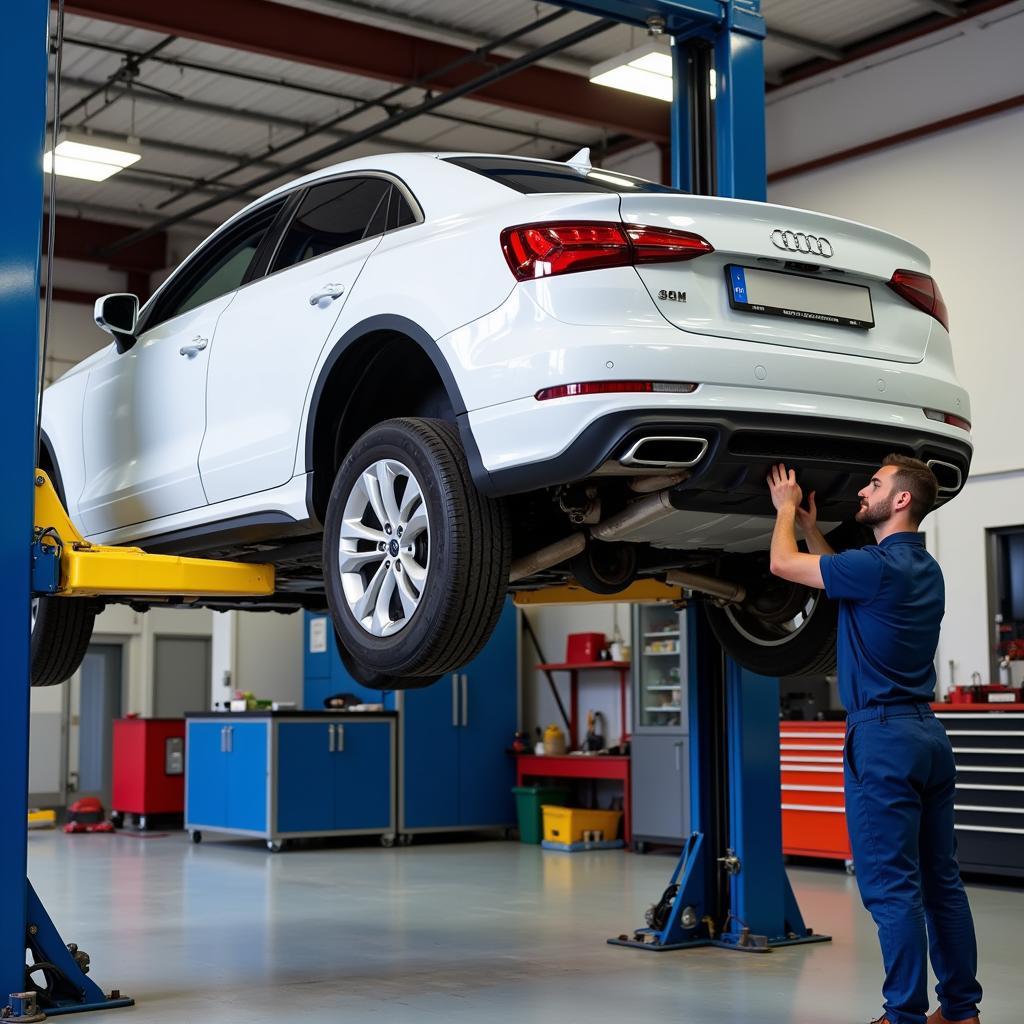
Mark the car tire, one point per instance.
(61, 631)
(767, 649)
(419, 597)
(378, 680)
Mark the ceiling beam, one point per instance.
(80, 238)
(822, 50)
(295, 34)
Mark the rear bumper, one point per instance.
(834, 457)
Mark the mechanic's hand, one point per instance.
(807, 518)
(785, 490)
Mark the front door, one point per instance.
(270, 340)
(144, 413)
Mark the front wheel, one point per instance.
(61, 631)
(783, 630)
(416, 559)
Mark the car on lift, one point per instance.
(416, 382)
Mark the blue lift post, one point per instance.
(24, 923)
(730, 886)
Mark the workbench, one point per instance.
(582, 766)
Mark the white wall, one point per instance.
(259, 652)
(958, 195)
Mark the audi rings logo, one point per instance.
(797, 241)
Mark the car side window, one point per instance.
(218, 268)
(400, 212)
(333, 215)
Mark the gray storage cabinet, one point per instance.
(279, 775)
(660, 744)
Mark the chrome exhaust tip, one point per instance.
(665, 452)
(949, 476)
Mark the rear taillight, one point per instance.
(948, 417)
(610, 387)
(921, 290)
(564, 247)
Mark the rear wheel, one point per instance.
(415, 559)
(61, 630)
(783, 629)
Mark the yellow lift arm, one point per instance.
(99, 570)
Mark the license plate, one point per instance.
(776, 293)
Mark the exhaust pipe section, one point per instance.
(635, 515)
(724, 590)
(545, 558)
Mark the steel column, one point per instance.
(22, 75)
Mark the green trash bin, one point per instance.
(528, 807)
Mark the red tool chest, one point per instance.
(149, 767)
(813, 807)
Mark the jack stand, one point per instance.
(729, 887)
(64, 987)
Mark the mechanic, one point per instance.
(898, 764)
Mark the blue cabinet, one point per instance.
(278, 776)
(452, 735)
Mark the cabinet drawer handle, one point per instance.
(340, 730)
(465, 700)
(330, 738)
(455, 699)
(223, 739)
(231, 738)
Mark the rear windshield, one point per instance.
(532, 176)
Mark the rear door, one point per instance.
(831, 270)
(144, 411)
(269, 341)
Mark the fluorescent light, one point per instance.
(84, 160)
(646, 70)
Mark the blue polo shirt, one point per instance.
(891, 601)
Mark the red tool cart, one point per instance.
(149, 768)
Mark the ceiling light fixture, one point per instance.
(646, 70)
(77, 159)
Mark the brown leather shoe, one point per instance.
(937, 1018)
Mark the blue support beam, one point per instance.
(23, 66)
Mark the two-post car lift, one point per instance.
(732, 885)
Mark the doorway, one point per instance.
(1006, 600)
(181, 675)
(99, 703)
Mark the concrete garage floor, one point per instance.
(468, 931)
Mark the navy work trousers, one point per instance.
(899, 776)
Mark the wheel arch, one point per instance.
(357, 387)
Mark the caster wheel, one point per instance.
(640, 847)
(197, 836)
(117, 819)
(851, 868)
(387, 841)
(405, 840)
(275, 845)
(143, 823)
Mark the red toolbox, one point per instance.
(149, 767)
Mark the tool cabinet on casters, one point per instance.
(281, 775)
(453, 736)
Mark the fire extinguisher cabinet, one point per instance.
(149, 769)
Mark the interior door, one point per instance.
(270, 340)
(181, 675)
(144, 411)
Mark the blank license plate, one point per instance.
(799, 298)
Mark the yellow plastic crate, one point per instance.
(567, 824)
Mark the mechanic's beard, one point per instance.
(875, 515)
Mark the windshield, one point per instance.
(533, 176)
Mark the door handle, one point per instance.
(340, 730)
(455, 699)
(330, 291)
(465, 700)
(223, 739)
(678, 747)
(194, 347)
(231, 738)
(330, 738)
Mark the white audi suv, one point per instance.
(414, 382)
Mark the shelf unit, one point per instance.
(574, 669)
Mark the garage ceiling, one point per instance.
(210, 111)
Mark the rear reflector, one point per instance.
(565, 247)
(948, 417)
(921, 290)
(610, 387)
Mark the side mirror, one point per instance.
(118, 315)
